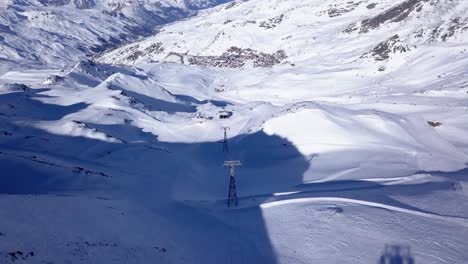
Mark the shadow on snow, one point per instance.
(173, 179)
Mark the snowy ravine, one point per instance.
(353, 144)
(56, 33)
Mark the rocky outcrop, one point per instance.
(81, 4)
(395, 14)
(385, 48)
(272, 22)
(136, 52)
(456, 25)
(342, 8)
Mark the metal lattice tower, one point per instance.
(225, 142)
(232, 195)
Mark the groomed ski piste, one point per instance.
(341, 163)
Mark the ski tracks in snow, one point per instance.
(455, 220)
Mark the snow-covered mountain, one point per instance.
(125, 164)
(304, 32)
(349, 119)
(61, 32)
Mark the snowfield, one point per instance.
(57, 33)
(354, 148)
(326, 33)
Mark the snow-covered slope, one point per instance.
(385, 33)
(352, 140)
(133, 157)
(60, 33)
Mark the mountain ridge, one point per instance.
(60, 33)
(278, 26)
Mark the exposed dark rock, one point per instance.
(351, 28)
(250, 22)
(19, 256)
(80, 124)
(231, 5)
(272, 22)
(135, 55)
(454, 27)
(53, 79)
(89, 172)
(395, 14)
(383, 50)
(17, 87)
(419, 33)
(5, 133)
(342, 8)
(434, 123)
(456, 24)
(161, 249)
(86, 126)
(81, 4)
(155, 48)
(39, 160)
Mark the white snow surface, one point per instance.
(310, 32)
(57, 33)
(106, 163)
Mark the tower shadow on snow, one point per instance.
(187, 177)
(34, 161)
